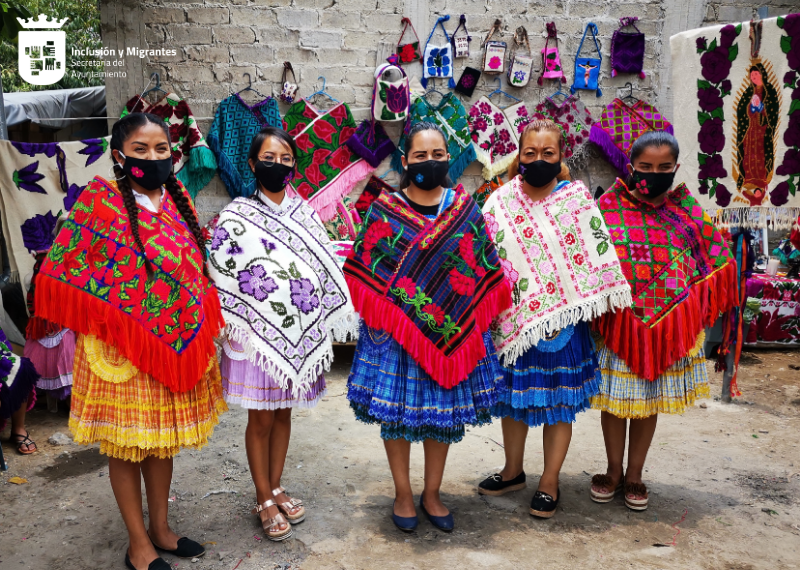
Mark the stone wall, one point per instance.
(343, 40)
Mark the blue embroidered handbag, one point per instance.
(587, 69)
(438, 59)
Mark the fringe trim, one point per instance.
(649, 351)
(39, 328)
(346, 328)
(459, 165)
(199, 170)
(271, 367)
(72, 308)
(275, 405)
(615, 156)
(492, 169)
(570, 316)
(756, 217)
(326, 199)
(447, 371)
(18, 393)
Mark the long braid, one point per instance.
(133, 215)
(188, 214)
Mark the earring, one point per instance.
(111, 173)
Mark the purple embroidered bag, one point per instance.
(627, 49)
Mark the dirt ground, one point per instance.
(724, 485)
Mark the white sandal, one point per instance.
(291, 505)
(271, 523)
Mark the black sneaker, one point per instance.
(543, 505)
(495, 486)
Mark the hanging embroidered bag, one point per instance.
(587, 69)
(551, 60)
(627, 49)
(438, 59)
(371, 142)
(494, 52)
(519, 70)
(289, 90)
(461, 40)
(390, 94)
(409, 52)
(469, 80)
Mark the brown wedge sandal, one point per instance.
(289, 506)
(271, 525)
(604, 481)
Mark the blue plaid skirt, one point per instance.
(388, 387)
(552, 381)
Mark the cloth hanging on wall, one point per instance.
(235, 124)
(346, 222)
(193, 161)
(326, 168)
(575, 121)
(494, 136)
(451, 116)
(37, 181)
(738, 121)
(620, 125)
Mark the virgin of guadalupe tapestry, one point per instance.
(737, 119)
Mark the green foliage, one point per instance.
(83, 32)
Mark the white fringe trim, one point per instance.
(300, 383)
(586, 311)
(756, 217)
(345, 329)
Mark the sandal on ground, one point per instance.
(494, 485)
(543, 505)
(26, 441)
(187, 548)
(271, 525)
(603, 480)
(287, 507)
(634, 490)
(157, 564)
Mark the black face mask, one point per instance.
(429, 174)
(149, 174)
(539, 173)
(653, 184)
(273, 178)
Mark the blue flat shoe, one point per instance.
(445, 523)
(406, 524)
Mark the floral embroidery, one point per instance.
(303, 295)
(495, 62)
(255, 282)
(426, 310)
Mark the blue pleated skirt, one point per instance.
(553, 381)
(387, 387)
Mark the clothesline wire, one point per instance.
(352, 109)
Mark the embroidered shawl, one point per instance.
(37, 181)
(345, 223)
(18, 378)
(435, 286)
(557, 255)
(234, 126)
(574, 119)
(680, 270)
(94, 282)
(280, 287)
(326, 167)
(193, 162)
(494, 136)
(451, 116)
(620, 125)
(738, 122)
(371, 192)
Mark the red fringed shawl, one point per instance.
(94, 282)
(435, 286)
(681, 272)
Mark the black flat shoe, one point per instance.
(157, 564)
(495, 486)
(543, 505)
(187, 548)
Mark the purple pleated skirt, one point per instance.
(247, 385)
(53, 359)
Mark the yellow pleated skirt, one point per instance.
(132, 415)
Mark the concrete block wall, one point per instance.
(344, 40)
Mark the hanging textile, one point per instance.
(193, 162)
(551, 59)
(587, 69)
(493, 135)
(620, 125)
(557, 255)
(235, 124)
(437, 62)
(396, 277)
(485, 190)
(575, 121)
(775, 304)
(326, 168)
(627, 49)
(681, 273)
(738, 121)
(451, 116)
(37, 181)
(345, 223)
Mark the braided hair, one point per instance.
(120, 132)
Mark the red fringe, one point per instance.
(85, 314)
(447, 371)
(649, 351)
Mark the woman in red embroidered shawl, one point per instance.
(682, 276)
(127, 273)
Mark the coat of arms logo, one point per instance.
(42, 50)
